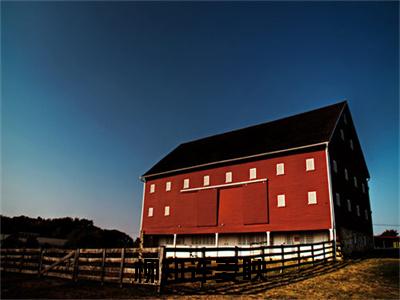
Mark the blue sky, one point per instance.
(95, 93)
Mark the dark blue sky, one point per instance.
(95, 93)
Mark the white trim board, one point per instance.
(223, 185)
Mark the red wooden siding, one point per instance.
(230, 206)
(243, 208)
(255, 206)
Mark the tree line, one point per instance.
(79, 233)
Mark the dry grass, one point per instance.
(365, 279)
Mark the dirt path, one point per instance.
(366, 279)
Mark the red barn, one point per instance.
(294, 180)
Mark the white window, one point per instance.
(206, 180)
(253, 173)
(166, 211)
(186, 183)
(335, 166)
(168, 186)
(310, 164)
(312, 197)
(228, 177)
(366, 214)
(150, 212)
(342, 134)
(281, 201)
(152, 188)
(351, 145)
(346, 174)
(280, 169)
(337, 199)
(348, 205)
(358, 210)
(355, 181)
(363, 187)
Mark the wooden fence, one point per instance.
(119, 265)
(161, 266)
(242, 263)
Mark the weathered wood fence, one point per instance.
(162, 266)
(119, 265)
(242, 263)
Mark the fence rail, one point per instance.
(162, 266)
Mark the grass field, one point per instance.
(364, 279)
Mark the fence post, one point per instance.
(283, 257)
(121, 271)
(22, 260)
(76, 266)
(5, 262)
(312, 254)
(161, 279)
(103, 265)
(236, 261)
(323, 250)
(203, 256)
(334, 249)
(298, 257)
(40, 261)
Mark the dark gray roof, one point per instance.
(304, 129)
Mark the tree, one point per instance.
(390, 232)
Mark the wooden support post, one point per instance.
(203, 255)
(298, 257)
(22, 260)
(41, 253)
(334, 245)
(236, 261)
(312, 254)
(161, 279)
(283, 258)
(76, 266)
(121, 271)
(103, 266)
(323, 250)
(5, 260)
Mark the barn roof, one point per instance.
(303, 129)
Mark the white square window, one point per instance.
(358, 210)
(346, 174)
(363, 187)
(342, 134)
(228, 177)
(337, 199)
(186, 183)
(152, 188)
(310, 164)
(150, 212)
(166, 211)
(168, 186)
(206, 180)
(348, 205)
(355, 181)
(351, 145)
(253, 173)
(312, 197)
(335, 166)
(366, 214)
(280, 169)
(281, 201)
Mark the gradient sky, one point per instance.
(95, 93)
